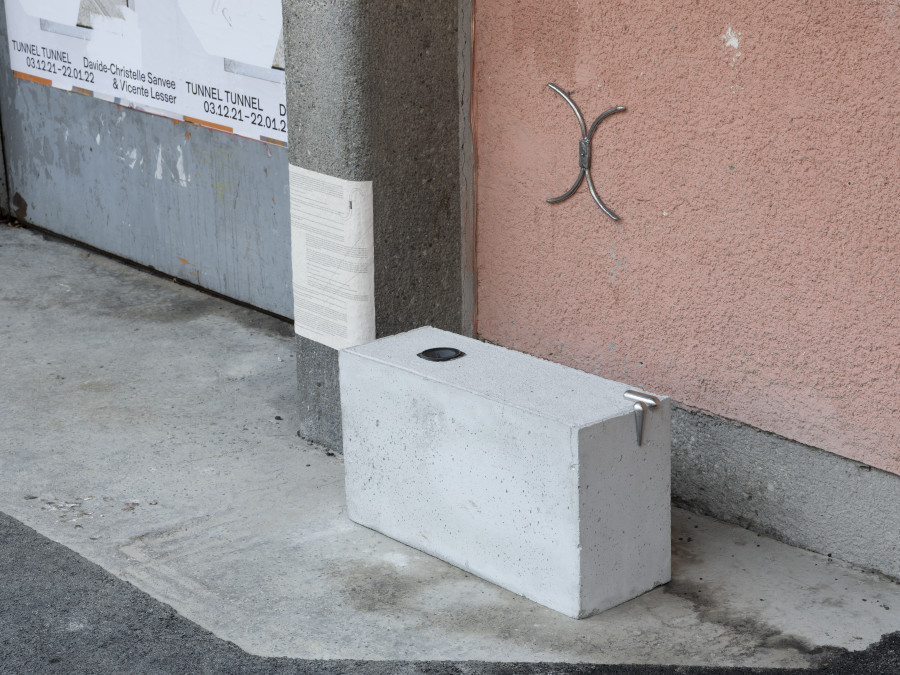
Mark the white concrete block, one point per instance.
(524, 472)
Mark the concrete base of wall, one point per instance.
(801, 495)
(319, 393)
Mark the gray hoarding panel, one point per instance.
(4, 190)
(201, 205)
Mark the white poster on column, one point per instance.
(218, 63)
(333, 256)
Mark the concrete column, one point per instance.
(372, 95)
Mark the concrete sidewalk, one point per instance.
(152, 429)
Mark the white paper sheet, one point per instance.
(333, 252)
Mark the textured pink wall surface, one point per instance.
(755, 273)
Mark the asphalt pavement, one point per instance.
(60, 613)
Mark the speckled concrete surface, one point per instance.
(754, 272)
(521, 471)
(152, 429)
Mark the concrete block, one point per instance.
(524, 472)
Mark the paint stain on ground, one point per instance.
(20, 206)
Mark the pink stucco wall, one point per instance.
(755, 273)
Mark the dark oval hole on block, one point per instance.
(441, 354)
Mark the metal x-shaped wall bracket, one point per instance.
(584, 153)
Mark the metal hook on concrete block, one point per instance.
(642, 403)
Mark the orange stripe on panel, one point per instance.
(273, 141)
(211, 125)
(33, 78)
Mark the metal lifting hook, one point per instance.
(584, 153)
